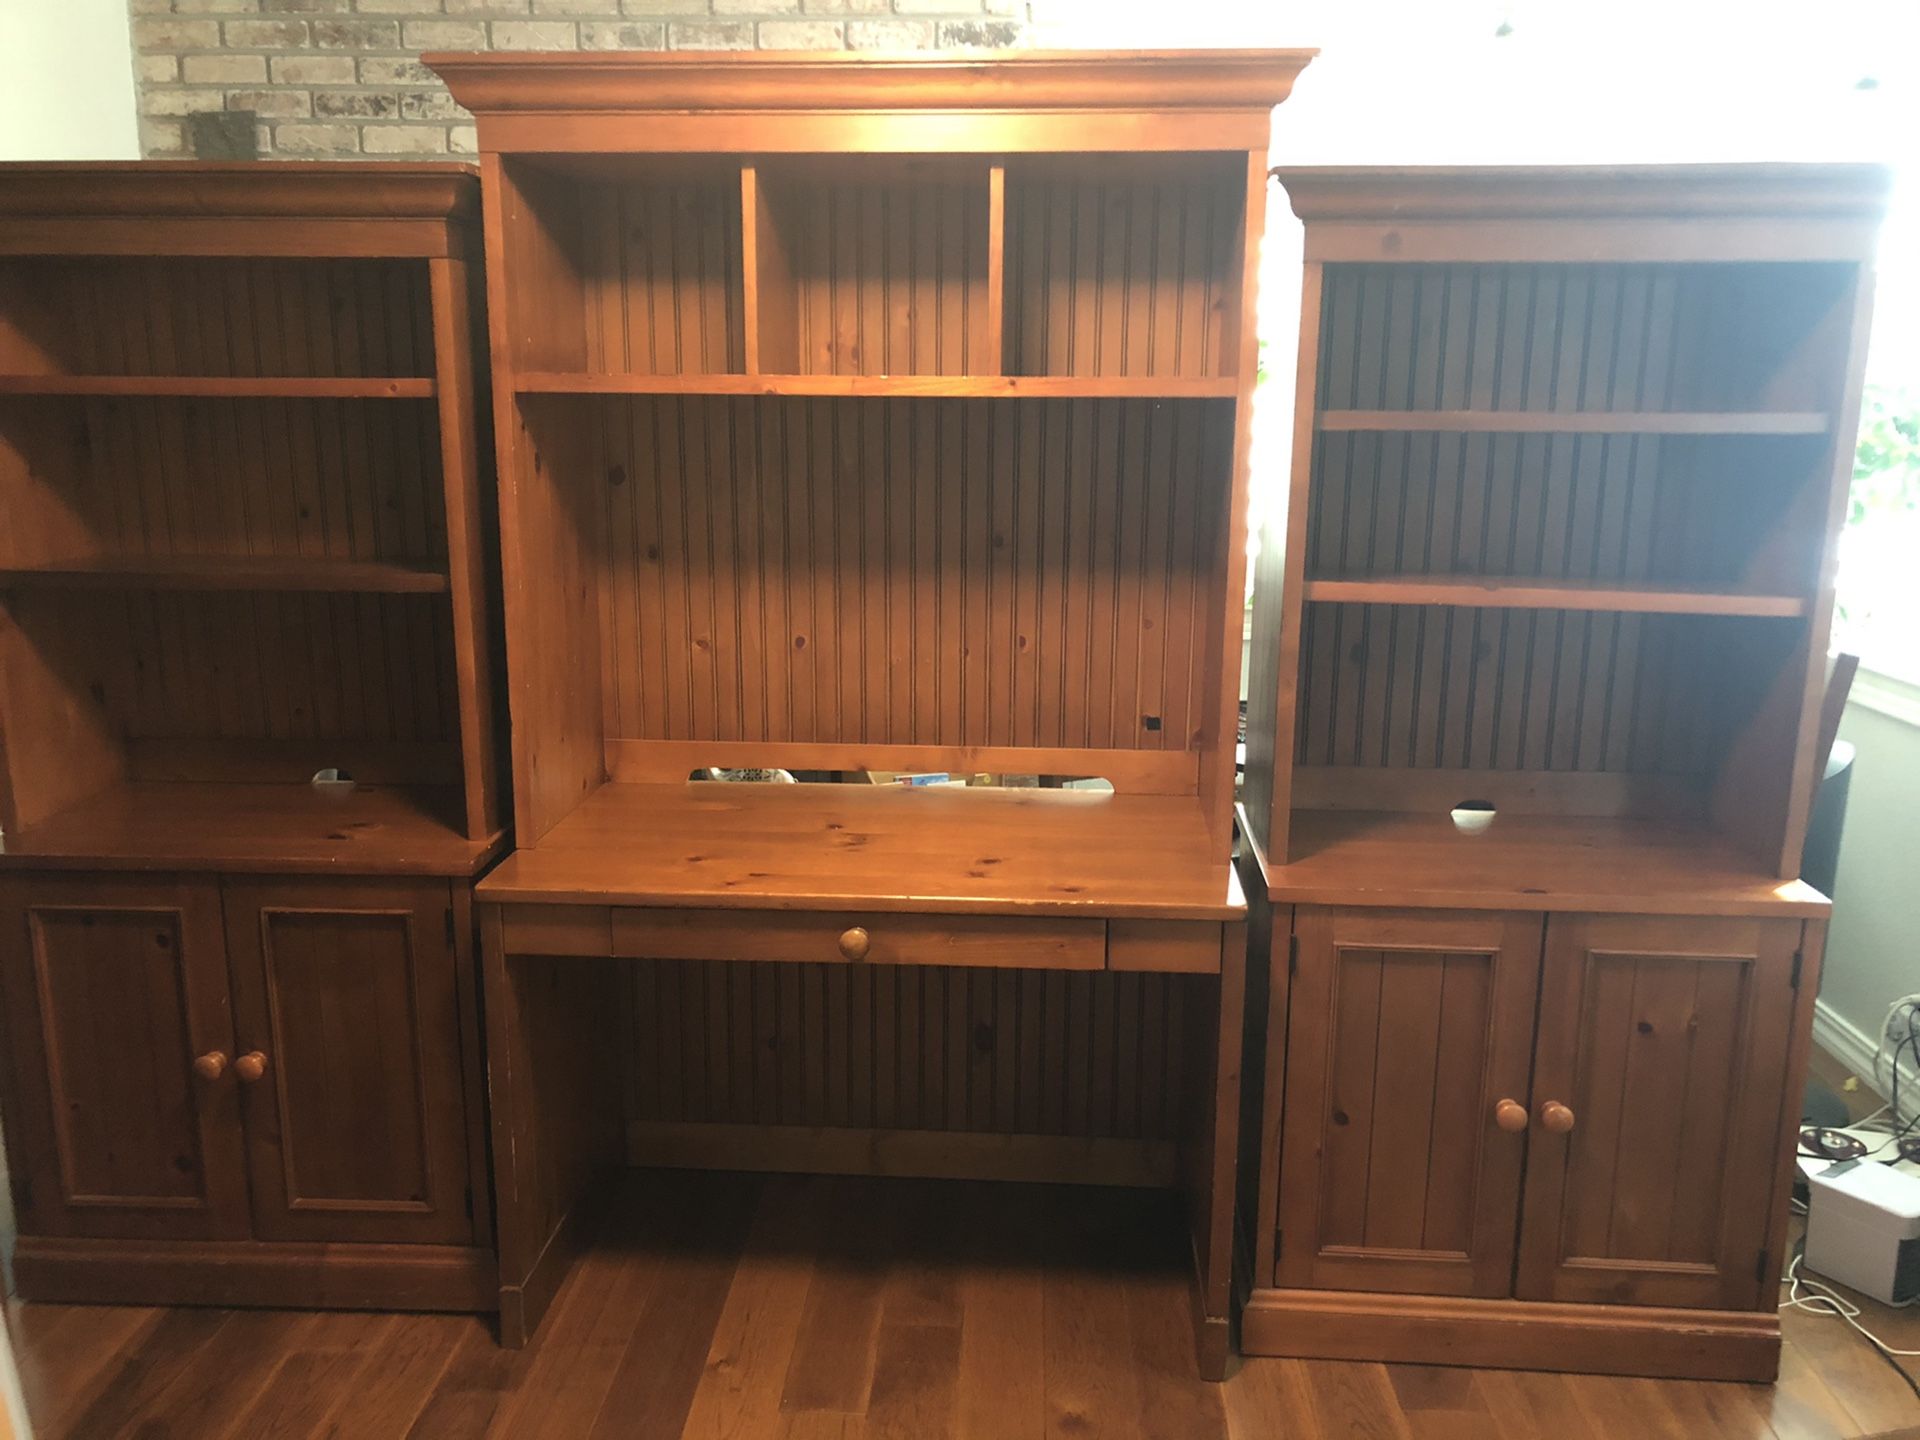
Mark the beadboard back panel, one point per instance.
(1005, 573)
(231, 316)
(1028, 1052)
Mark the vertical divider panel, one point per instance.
(468, 561)
(990, 354)
(773, 337)
(1766, 784)
(558, 752)
(1220, 715)
(1278, 606)
(750, 263)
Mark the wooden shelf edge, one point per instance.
(257, 829)
(1579, 422)
(1069, 854)
(297, 573)
(223, 387)
(1791, 899)
(1528, 862)
(1517, 593)
(865, 386)
(537, 877)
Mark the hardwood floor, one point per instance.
(722, 1307)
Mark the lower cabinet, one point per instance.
(1407, 1031)
(288, 1064)
(1659, 1086)
(113, 990)
(1590, 1110)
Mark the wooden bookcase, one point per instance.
(869, 414)
(246, 540)
(1571, 455)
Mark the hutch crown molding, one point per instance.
(246, 540)
(864, 413)
(1571, 454)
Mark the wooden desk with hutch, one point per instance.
(869, 414)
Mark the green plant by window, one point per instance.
(1886, 466)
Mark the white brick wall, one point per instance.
(342, 78)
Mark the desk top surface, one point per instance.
(887, 848)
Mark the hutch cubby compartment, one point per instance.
(924, 275)
(961, 487)
(1571, 453)
(1123, 267)
(246, 541)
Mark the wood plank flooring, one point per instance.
(720, 1307)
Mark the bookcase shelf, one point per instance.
(1580, 422)
(1537, 711)
(228, 558)
(242, 828)
(877, 386)
(1554, 516)
(221, 387)
(1510, 592)
(250, 754)
(307, 573)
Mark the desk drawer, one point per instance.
(863, 939)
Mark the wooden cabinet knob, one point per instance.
(1556, 1117)
(251, 1067)
(855, 943)
(1510, 1116)
(210, 1066)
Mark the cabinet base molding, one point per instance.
(246, 1272)
(903, 1154)
(1671, 1344)
(524, 1301)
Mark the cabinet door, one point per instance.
(1406, 1030)
(356, 1124)
(1664, 1042)
(112, 987)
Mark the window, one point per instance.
(1878, 617)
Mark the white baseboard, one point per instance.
(1854, 1048)
(1845, 1041)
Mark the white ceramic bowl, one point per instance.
(1473, 817)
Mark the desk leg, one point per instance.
(556, 1116)
(1213, 1145)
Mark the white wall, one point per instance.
(1873, 948)
(66, 81)
(1418, 82)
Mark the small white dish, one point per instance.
(1473, 817)
(333, 781)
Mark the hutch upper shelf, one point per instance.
(891, 411)
(245, 538)
(1570, 455)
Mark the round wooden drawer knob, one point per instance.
(1510, 1116)
(251, 1067)
(855, 943)
(210, 1066)
(1556, 1118)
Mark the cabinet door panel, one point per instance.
(1405, 1030)
(358, 1129)
(112, 988)
(1667, 1040)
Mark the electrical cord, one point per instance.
(1906, 1011)
(1826, 1301)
